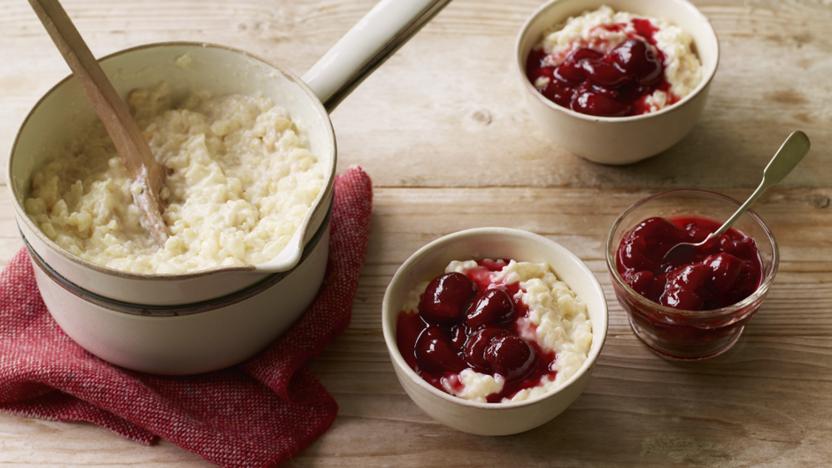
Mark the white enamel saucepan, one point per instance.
(186, 324)
(63, 113)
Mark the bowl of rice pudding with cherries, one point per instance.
(618, 81)
(493, 331)
(249, 154)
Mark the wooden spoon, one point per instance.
(113, 112)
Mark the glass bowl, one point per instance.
(690, 334)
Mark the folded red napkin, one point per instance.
(259, 413)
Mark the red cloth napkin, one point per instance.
(259, 413)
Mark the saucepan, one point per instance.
(197, 322)
(63, 112)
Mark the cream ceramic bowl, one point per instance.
(618, 140)
(490, 418)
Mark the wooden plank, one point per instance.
(766, 401)
(26, 441)
(447, 110)
(443, 131)
(707, 415)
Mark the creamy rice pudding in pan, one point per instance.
(240, 180)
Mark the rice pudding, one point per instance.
(240, 180)
(614, 63)
(495, 330)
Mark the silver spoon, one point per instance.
(790, 153)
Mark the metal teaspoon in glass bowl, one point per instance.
(791, 152)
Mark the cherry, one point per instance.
(632, 254)
(408, 328)
(492, 307)
(643, 282)
(720, 273)
(559, 93)
(744, 248)
(697, 232)
(446, 298)
(570, 73)
(640, 280)
(458, 336)
(683, 288)
(534, 65)
(693, 276)
(725, 270)
(644, 247)
(510, 356)
(617, 93)
(435, 353)
(595, 103)
(638, 60)
(583, 53)
(658, 230)
(746, 283)
(477, 346)
(604, 73)
(683, 299)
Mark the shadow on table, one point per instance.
(710, 156)
(739, 408)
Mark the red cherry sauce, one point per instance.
(612, 84)
(723, 272)
(467, 321)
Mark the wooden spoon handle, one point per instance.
(111, 109)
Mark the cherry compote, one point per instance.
(468, 321)
(612, 84)
(721, 273)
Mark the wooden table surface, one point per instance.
(442, 130)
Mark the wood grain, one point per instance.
(469, 104)
(442, 130)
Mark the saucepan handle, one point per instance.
(367, 45)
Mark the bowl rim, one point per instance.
(168, 311)
(388, 315)
(684, 313)
(24, 217)
(520, 68)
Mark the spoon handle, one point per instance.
(110, 108)
(790, 153)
